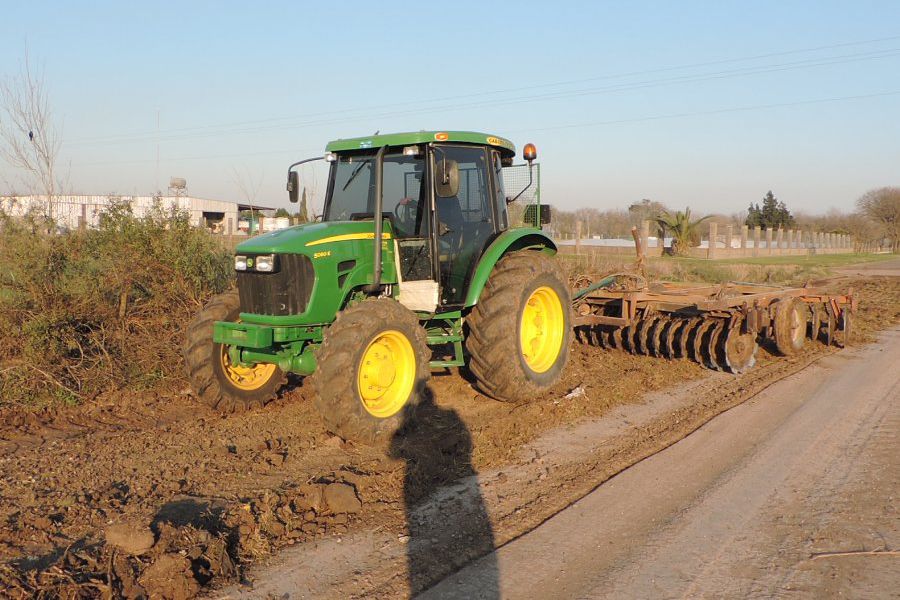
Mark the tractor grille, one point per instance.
(285, 292)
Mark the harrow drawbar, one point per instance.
(719, 326)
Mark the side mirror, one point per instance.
(293, 186)
(446, 178)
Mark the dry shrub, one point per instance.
(89, 311)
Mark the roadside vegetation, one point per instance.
(90, 311)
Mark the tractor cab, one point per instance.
(442, 200)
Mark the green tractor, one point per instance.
(414, 266)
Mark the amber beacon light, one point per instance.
(529, 152)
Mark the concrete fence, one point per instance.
(721, 241)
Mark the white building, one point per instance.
(71, 212)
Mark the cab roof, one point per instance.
(506, 147)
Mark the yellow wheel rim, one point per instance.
(542, 329)
(246, 378)
(386, 374)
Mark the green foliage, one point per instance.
(685, 232)
(94, 310)
(282, 212)
(772, 215)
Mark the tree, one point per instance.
(29, 136)
(882, 205)
(303, 212)
(249, 188)
(773, 214)
(685, 232)
(282, 212)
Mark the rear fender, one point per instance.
(508, 241)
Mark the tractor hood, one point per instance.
(311, 237)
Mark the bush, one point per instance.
(90, 311)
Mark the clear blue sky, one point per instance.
(255, 86)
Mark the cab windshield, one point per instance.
(352, 185)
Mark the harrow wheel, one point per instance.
(737, 350)
(790, 326)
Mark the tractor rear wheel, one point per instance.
(372, 370)
(214, 379)
(520, 330)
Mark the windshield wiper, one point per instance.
(355, 173)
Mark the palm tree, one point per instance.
(684, 231)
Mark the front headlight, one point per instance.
(240, 263)
(265, 263)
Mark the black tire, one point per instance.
(790, 326)
(205, 368)
(493, 326)
(339, 359)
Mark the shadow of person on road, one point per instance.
(445, 513)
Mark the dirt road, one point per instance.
(794, 493)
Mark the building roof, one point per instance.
(422, 137)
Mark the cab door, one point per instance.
(465, 223)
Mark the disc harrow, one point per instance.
(718, 326)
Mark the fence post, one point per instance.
(229, 226)
(799, 242)
(729, 236)
(744, 229)
(768, 240)
(713, 234)
(645, 237)
(790, 240)
(757, 232)
(577, 237)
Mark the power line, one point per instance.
(586, 123)
(226, 128)
(717, 111)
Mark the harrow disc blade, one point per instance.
(815, 322)
(701, 340)
(628, 341)
(653, 341)
(710, 353)
(737, 349)
(616, 338)
(832, 326)
(643, 332)
(669, 337)
(686, 337)
(846, 326)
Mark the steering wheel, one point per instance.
(406, 211)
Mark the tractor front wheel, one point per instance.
(520, 330)
(214, 379)
(372, 369)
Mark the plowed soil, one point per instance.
(158, 494)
